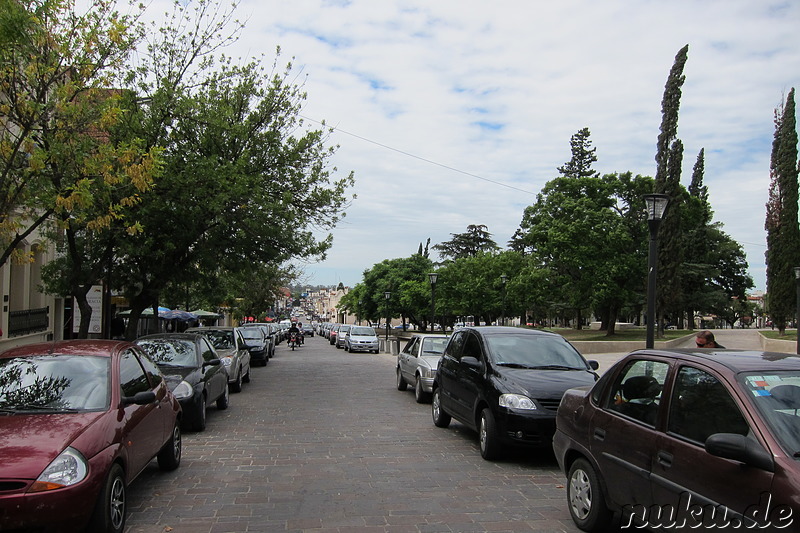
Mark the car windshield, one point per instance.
(434, 345)
(362, 331)
(534, 351)
(777, 397)
(170, 352)
(221, 339)
(54, 383)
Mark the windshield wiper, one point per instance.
(516, 365)
(556, 367)
(20, 408)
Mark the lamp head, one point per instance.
(433, 276)
(656, 205)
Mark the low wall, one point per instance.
(777, 345)
(590, 347)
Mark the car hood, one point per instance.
(431, 360)
(174, 375)
(226, 352)
(543, 383)
(28, 443)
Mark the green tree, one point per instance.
(783, 239)
(669, 158)
(475, 240)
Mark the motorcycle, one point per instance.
(294, 340)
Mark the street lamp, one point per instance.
(387, 295)
(504, 279)
(797, 308)
(656, 205)
(432, 277)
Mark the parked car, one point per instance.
(332, 334)
(193, 370)
(79, 421)
(506, 383)
(232, 351)
(361, 339)
(341, 335)
(257, 343)
(417, 362)
(713, 434)
(270, 335)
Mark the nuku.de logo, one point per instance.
(765, 515)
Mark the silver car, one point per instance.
(232, 351)
(341, 335)
(361, 339)
(417, 362)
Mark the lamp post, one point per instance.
(797, 307)
(432, 277)
(656, 205)
(387, 295)
(504, 279)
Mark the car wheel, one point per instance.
(236, 386)
(200, 418)
(440, 418)
(401, 382)
(109, 513)
(222, 401)
(169, 457)
(419, 394)
(585, 497)
(487, 433)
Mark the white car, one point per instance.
(361, 339)
(417, 362)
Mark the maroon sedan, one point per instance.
(79, 420)
(682, 439)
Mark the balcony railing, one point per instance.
(28, 321)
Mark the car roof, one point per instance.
(507, 330)
(735, 360)
(101, 347)
(180, 336)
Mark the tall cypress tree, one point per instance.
(669, 158)
(783, 233)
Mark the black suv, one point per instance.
(506, 383)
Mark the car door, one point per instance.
(468, 382)
(407, 359)
(447, 373)
(241, 348)
(624, 431)
(214, 375)
(143, 431)
(684, 475)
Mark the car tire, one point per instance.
(110, 511)
(419, 394)
(169, 457)
(236, 386)
(440, 418)
(222, 401)
(401, 381)
(200, 416)
(585, 499)
(487, 435)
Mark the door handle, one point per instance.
(664, 459)
(599, 434)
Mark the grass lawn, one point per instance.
(791, 334)
(636, 334)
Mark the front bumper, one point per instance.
(526, 428)
(363, 346)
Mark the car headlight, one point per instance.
(67, 469)
(516, 401)
(227, 361)
(183, 390)
(424, 372)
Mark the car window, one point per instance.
(207, 351)
(412, 347)
(777, 397)
(170, 352)
(454, 346)
(220, 338)
(702, 406)
(153, 373)
(433, 345)
(472, 347)
(636, 392)
(132, 378)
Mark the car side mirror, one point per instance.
(472, 362)
(594, 365)
(140, 398)
(739, 448)
(212, 362)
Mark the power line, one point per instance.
(429, 161)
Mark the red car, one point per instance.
(79, 420)
(679, 440)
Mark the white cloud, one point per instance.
(496, 90)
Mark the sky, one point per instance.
(452, 113)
